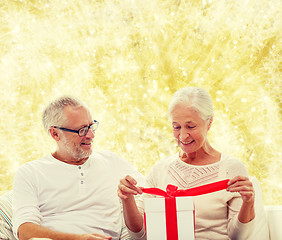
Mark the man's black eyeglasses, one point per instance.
(82, 131)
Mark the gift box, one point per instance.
(161, 226)
(172, 217)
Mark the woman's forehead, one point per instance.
(185, 114)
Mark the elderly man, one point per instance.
(71, 193)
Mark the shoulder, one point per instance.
(233, 166)
(164, 163)
(107, 156)
(29, 173)
(161, 167)
(115, 165)
(34, 164)
(112, 161)
(157, 175)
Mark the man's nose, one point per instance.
(90, 133)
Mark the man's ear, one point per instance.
(210, 122)
(54, 133)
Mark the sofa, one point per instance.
(5, 216)
(270, 218)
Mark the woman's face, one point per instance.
(189, 129)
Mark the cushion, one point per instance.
(124, 234)
(6, 231)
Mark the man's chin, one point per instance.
(82, 158)
(86, 154)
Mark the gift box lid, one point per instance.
(158, 204)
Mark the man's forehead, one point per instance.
(80, 116)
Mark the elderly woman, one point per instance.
(221, 215)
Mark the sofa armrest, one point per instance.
(274, 219)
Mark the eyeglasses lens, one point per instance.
(84, 131)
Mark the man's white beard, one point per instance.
(75, 151)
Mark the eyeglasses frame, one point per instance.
(77, 131)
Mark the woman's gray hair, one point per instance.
(53, 114)
(194, 97)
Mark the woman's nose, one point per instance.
(183, 134)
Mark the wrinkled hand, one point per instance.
(128, 187)
(94, 236)
(243, 186)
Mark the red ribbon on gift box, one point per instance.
(170, 202)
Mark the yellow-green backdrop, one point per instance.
(126, 58)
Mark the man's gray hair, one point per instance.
(194, 97)
(53, 114)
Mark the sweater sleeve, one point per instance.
(236, 229)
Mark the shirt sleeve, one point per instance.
(125, 168)
(25, 201)
(128, 169)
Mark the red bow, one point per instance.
(171, 190)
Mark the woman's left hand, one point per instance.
(244, 186)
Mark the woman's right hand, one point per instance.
(128, 187)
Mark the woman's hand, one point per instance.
(244, 186)
(127, 187)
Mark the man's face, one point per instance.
(72, 148)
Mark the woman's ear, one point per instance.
(210, 122)
(54, 133)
